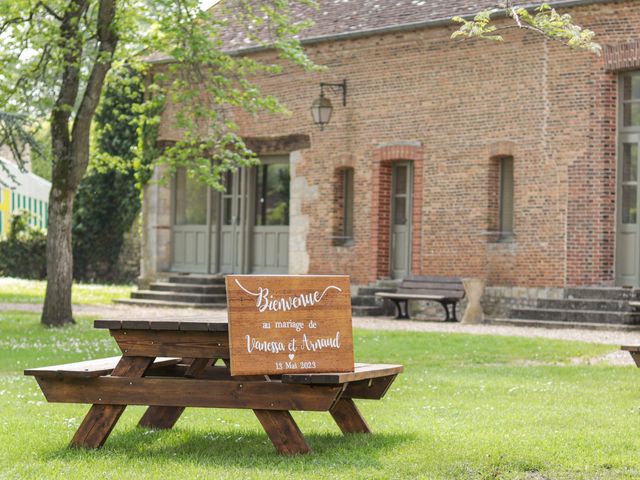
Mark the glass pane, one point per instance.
(506, 195)
(191, 200)
(347, 216)
(228, 182)
(630, 162)
(629, 204)
(401, 180)
(631, 114)
(400, 211)
(272, 194)
(227, 205)
(631, 87)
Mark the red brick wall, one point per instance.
(460, 104)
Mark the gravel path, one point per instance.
(609, 337)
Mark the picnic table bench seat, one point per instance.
(634, 304)
(91, 368)
(447, 291)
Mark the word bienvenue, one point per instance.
(265, 302)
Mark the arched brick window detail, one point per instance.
(382, 161)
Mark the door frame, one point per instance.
(409, 207)
(173, 216)
(621, 228)
(623, 134)
(243, 203)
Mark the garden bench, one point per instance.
(171, 364)
(447, 291)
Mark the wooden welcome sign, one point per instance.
(289, 324)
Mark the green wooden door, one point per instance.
(190, 229)
(254, 219)
(270, 233)
(401, 207)
(628, 238)
(234, 223)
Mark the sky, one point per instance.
(207, 3)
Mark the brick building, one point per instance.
(515, 162)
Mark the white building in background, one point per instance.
(25, 191)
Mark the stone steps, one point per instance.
(586, 304)
(559, 325)
(178, 297)
(367, 311)
(602, 293)
(372, 290)
(168, 304)
(578, 316)
(188, 288)
(182, 290)
(193, 279)
(366, 304)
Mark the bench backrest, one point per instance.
(450, 287)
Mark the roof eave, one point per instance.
(439, 22)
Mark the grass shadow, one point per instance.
(241, 448)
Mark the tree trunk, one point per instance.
(57, 305)
(71, 148)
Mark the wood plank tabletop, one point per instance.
(190, 324)
(630, 348)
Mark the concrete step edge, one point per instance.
(585, 312)
(163, 303)
(561, 325)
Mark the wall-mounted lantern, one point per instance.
(321, 109)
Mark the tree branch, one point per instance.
(71, 45)
(81, 131)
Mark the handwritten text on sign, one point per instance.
(289, 324)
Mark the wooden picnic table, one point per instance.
(169, 364)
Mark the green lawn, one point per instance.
(467, 407)
(15, 290)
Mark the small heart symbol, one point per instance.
(291, 355)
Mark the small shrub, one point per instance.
(24, 253)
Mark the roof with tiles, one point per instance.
(336, 18)
(344, 18)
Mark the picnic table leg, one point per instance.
(100, 420)
(164, 418)
(283, 431)
(348, 417)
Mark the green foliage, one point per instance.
(41, 164)
(23, 253)
(205, 83)
(20, 138)
(108, 199)
(545, 21)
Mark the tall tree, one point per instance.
(57, 54)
